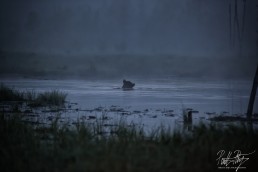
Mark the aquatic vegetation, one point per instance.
(33, 98)
(95, 143)
(26, 147)
(9, 94)
(54, 97)
(30, 95)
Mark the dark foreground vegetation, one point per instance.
(26, 147)
(86, 146)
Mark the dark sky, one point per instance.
(181, 27)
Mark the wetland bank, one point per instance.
(44, 129)
(151, 103)
(62, 66)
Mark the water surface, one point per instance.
(151, 97)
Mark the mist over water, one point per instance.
(182, 42)
(139, 38)
(187, 27)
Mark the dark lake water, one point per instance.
(155, 95)
(211, 96)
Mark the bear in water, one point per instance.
(128, 84)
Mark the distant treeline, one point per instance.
(118, 66)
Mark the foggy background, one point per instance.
(125, 38)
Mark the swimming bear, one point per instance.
(128, 84)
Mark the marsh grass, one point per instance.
(60, 148)
(88, 147)
(9, 94)
(55, 97)
(33, 98)
(30, 95)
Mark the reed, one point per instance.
(48, 98)
(9, 94)
(55, 97)
(60, 148)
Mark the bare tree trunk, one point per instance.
(252, 96)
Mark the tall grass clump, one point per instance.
(55, 97)
(26, 148)
(48, 98)
(9, 94)
(30, 95)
